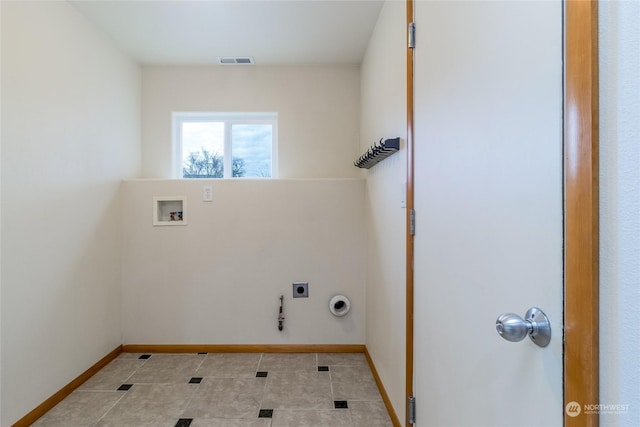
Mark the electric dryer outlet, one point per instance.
(301, 290)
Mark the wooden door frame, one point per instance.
(410, 205)
(581, 243)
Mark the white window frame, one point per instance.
(229, 119)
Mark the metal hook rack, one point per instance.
(378, 152)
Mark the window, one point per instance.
(225, 145)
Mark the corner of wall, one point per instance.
(383, 114)
(71, 104)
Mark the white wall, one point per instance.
(620, 210)
(383, 99)
(247, 247)
(318, 109)
(218, 279)
(0, 225)
(70, 133)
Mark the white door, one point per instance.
(488, 200)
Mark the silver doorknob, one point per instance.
(514, 328)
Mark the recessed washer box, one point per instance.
(301, 290)
(170, 210)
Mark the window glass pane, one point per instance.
(202, 149)
(251, 150)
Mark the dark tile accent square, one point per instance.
(184, 422)
(323, 368)
(261, 374)
(144, 356)
(340, 404)
(265, 413)
(125, 387)
(195, 380)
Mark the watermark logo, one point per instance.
(573, 409)
(606, 408)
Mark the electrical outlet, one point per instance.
(301, 290)
(207, 193)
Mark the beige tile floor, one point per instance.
(299, 390)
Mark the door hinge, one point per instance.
(412, 35)
(412, 222)
(412, 410)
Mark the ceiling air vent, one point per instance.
(235, 60)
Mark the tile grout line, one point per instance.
(136, 370)
(115, 391)
(333, 397)
(195, 372)
(264, 390)
(109, 410)
(201, 362)
(259, 362)
(190, 400)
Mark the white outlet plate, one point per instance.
(207, 193)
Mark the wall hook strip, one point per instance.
(378, 152)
